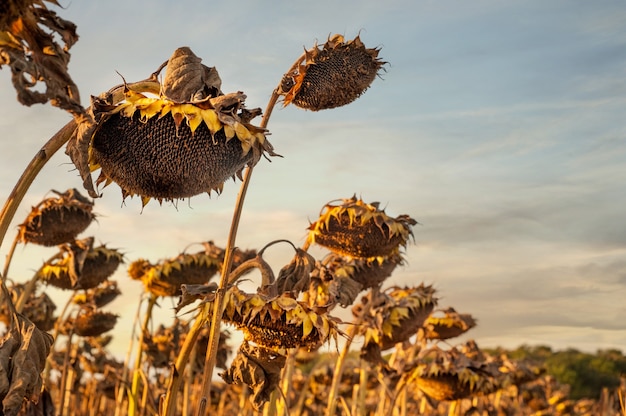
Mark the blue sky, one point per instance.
(499, 126)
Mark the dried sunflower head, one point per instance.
(277, 322)
(396, 314)
(57, 220)
(367, 272)
(98, 296)
(80, 265)
(39, 309)
(182, 143)
(90, 322)
(357, 229)
(328, 289)
(166, 277)
(331, 76)
(467, 371)
(448, 324)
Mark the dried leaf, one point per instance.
(23, 355)
(295, 276)
(257, 367)
(32, 52)
(191, 293)
(188, 80)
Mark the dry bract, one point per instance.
(331, 76)
(361, 230)
(80, 265)
(58, 220)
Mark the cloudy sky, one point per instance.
(499, 126)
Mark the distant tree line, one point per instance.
(586, 374)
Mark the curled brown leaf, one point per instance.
(23, 355)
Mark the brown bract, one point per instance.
(331, 76)
(57, 220)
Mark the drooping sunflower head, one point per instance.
(188, 140)
(98, 296)
(166, 277)
(90, 322)
(57, 220)
(466, 371)
(332, 75)
(357, 229)
(80, 265)
(367, 272)
(277, 322)
(39, 308)
(447, 324)
(396, 314)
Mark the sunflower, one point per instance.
(332, 75)
(277, 322)
(80, 265)
(357, 229)
(90, 322)
(188, 140)
(57, 220)
(396, 314)
(166, 277)
(447, 324)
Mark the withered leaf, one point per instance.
(34, 55)
(188, 80)
(191, 293)
(257, 367)
(23, 355)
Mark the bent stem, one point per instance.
(218, 303)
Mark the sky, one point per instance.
(499, 126)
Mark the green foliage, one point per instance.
(585, 373)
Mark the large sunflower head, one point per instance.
(187, 140)
(357, 229)
(332, 75)
(57, 220)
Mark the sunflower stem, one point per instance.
(132, 400)
(331, 408)
(218, 303)
(168, 406)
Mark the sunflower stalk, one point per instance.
(132, 402)
(218, 304)
(331, 408)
